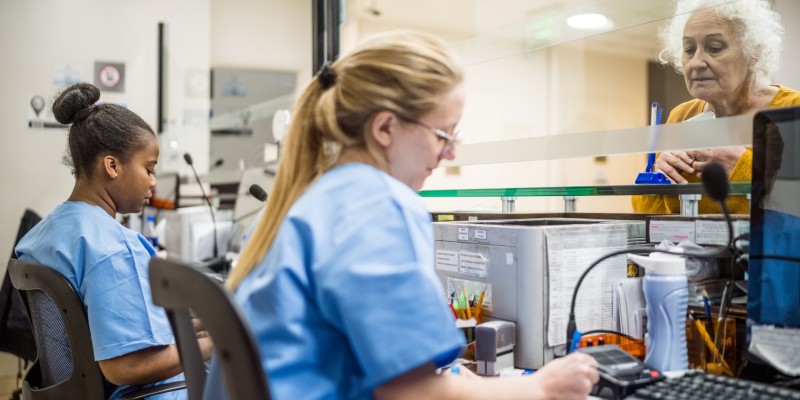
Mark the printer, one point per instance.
(509, 260)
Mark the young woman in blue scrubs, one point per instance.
(338, 277)
(113, 154)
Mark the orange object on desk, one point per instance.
(634, 347)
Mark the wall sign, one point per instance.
(40, 115)
(109, 77)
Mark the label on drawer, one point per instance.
(473, 263)
(447, 260)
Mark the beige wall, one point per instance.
(789, 74)
(35, 36)
(268, 34)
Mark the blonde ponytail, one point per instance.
(403, 72)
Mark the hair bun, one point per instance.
(73, 104)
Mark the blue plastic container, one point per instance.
(666, 294)
(150, 231)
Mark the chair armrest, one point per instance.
(153, 390)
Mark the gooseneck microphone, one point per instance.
(258, 192)
(715, 180)
(215, 263)
(216, 164)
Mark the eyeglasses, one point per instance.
(440, 133)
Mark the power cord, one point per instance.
(715, 181)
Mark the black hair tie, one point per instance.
(326, 75)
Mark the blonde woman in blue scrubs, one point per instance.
(338, 277)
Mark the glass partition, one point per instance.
(551, 104)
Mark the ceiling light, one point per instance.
(587, 21)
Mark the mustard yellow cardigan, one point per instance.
(742, 171)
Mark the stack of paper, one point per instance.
(628, 307)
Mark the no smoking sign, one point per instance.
(109, 77)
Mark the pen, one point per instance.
(713, 348)
(707, 308)
(466, 303)
(723, 303)
(450, 304)
(480, 303)
(723, 311)
(655, 118)
(454, 299)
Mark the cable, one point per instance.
(608, 331)
(717, 252)
(715, 181)
(774, 257)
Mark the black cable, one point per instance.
(249, 214)
(716, 252)
(774, 257)
(608, 331)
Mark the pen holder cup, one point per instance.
(467, 327)
(473, 313)
(712, 350)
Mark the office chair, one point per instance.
(181, 289)
(65, 367)
(15, 331)
(16, 336)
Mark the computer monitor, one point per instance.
(774, 269)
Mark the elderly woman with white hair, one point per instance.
(727, 55)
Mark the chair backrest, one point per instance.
(65, 365)
(16, 336)
(181, 289)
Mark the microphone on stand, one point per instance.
(216, 263)
(241, 231)
(715, 180)
(217, 163)
(258, 192)
(261, 195)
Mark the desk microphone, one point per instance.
(216, 263)
(217, 163)
(258, 192)
(715, 180)
(261, 195)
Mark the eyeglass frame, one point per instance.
(440, 133)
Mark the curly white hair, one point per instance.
(758, 25)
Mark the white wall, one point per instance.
(34, 37)
(789, 74)
(262, 34)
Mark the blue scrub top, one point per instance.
(106, 263)
(347, 297)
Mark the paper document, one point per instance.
(570, 251)
(629, 306)
(777, 346)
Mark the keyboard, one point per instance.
(700, 385)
